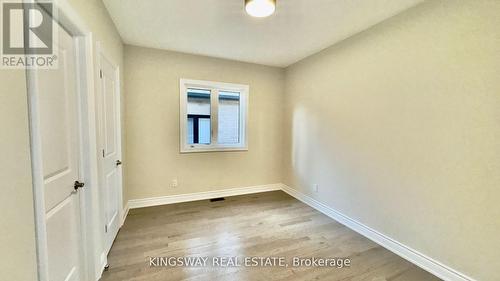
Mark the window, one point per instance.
(213, 116)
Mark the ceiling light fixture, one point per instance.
(260, 8)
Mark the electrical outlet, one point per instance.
(174, 183)
(315, 187)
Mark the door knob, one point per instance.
(118, 162)
(78, 185)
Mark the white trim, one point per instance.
(125, 213)
(91, 191)
(37, 177)
(172, 199)
(214, 87)
(440, 270)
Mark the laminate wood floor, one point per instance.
(270, 224)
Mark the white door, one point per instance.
(56, 92)
(110, 164)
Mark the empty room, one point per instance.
(330, 140)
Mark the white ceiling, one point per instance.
(221, 28)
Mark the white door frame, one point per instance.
(121, 212)
(67, 17)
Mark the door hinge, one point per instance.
(106, 228)
(103, 153)
(100, 73)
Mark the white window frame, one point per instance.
(214, 88)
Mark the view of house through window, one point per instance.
(213, 116)
(198, 109)
(229, 118)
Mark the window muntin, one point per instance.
(213, 116)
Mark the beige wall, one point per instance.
(17, 224)
(152, 117)
(400, 127)
(17, 245)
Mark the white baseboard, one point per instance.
(164, 200)
(124, 213)
(440, 270)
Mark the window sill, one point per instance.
(212, 149)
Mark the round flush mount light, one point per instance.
(260, 8)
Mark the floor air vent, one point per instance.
(217, 199)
